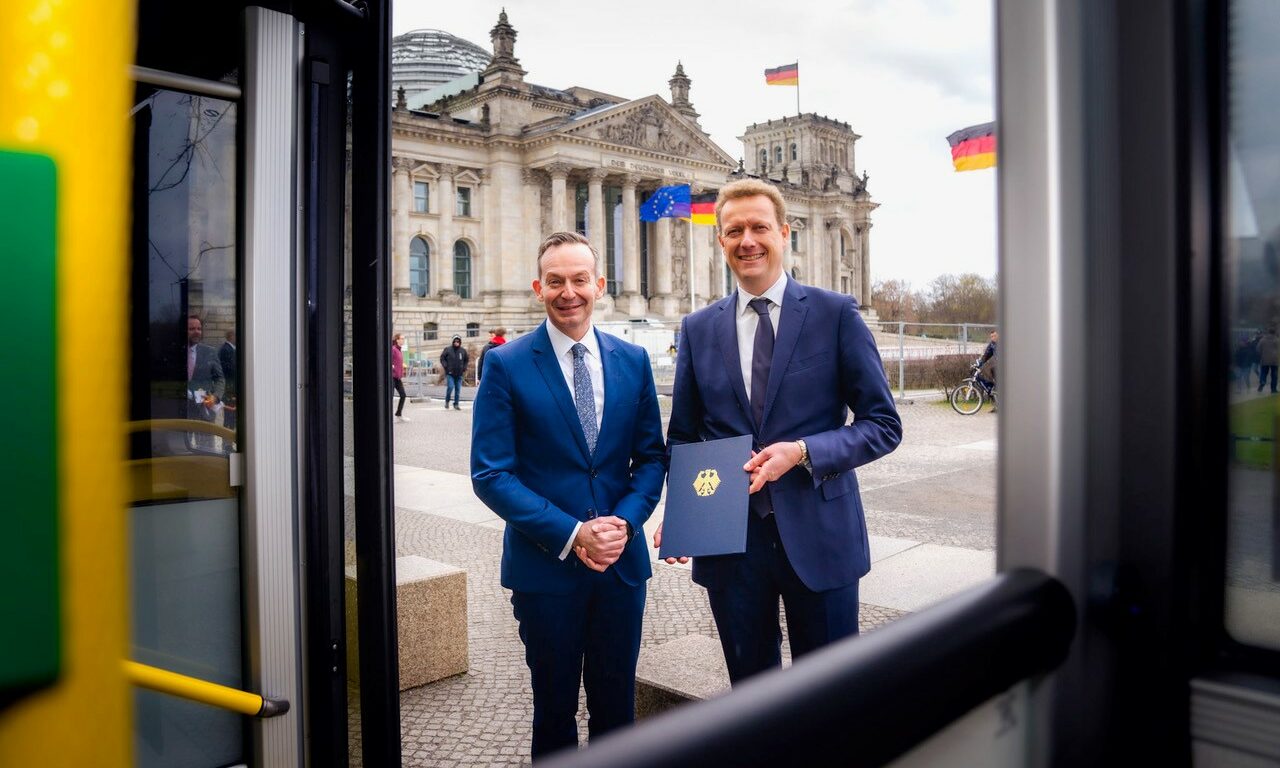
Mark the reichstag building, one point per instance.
(485, 163)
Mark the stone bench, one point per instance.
(689, 668)
(431, 616)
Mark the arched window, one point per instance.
(764, 159)
(462, 269)
(419, 266)
(795, 154)
(777, 155)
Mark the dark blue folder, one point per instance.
(706, 511)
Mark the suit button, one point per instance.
(595, 473)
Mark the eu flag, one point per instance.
(666, 201)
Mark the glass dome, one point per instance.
(425, 58)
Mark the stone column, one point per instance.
(833, 236)
(559, 203)
(631, 301)
(402, 199)
(662, 302)
(520, 268)
(595, 212)
(442, 274)
(864, 254)
(813, 242)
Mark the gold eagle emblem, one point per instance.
(706, 482)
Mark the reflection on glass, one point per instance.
(1252, 250)
(183, 396)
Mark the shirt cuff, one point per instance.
(568, 545)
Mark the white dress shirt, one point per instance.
(563, 346)
(747, 321)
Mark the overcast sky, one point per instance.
(902, 73)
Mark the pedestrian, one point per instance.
(454, 362)
(1268, 357)
(206, 384)
(397, 374)
(784, 363)
(497, 337)
(568, 450)
(1242, 359)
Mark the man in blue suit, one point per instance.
(567, 448)
(785, 363)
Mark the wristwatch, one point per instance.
(804, 455)
(631, 532)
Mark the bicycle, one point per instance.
(968, 398)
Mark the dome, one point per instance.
(425, 58)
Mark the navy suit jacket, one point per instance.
(825, 364)
(530, 465)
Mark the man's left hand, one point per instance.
(771, 463)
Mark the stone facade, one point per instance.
(481, 176)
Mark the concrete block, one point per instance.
(689, 668)
(431, 615)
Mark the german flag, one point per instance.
(787, 74)
(702, 209)
(973, 148)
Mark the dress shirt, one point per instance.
(191, 361)
(563, 346)
(747, 321)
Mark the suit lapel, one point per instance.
(790, 323)
(544, 358)
(726, 333)
(610, 360)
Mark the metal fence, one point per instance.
(900, 343)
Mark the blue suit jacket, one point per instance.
(825, 364)
(529, 460)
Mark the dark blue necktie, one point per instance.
(584, 396)
(761, 361)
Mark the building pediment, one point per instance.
(649, 124)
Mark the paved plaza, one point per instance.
(930, 514)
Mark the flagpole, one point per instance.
(693, 283)
(798, 113)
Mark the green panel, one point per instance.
(30, 637)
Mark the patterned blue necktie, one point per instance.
(584, 396)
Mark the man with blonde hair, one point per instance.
(785, 363)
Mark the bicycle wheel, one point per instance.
(967, 398)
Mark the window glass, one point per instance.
(1252, 222)
(777, 154)
(464, 201)
(421, 191)
(419, 266)
(462, 269)
(794, 154)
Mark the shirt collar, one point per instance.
(772, 293)
(562, 343)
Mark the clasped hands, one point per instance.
(601, 541)
(765, 466)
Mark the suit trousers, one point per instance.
(746, 608)
(592, 634)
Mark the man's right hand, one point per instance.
(600, 542)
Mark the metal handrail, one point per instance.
(203, 691)
(865, 700)
(182, 425)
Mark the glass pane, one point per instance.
(1253, 234)
(185, 517)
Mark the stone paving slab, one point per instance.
(922, 575)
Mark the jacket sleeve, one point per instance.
(687, 410)
(494, 463)
(648, 456)
(876, 429)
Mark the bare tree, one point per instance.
(894, 301)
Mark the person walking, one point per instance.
(566, 447)
(497, 337)
(206, 384)
(397, 373)
(454, 362)
(1268, 358)
(785, 363)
